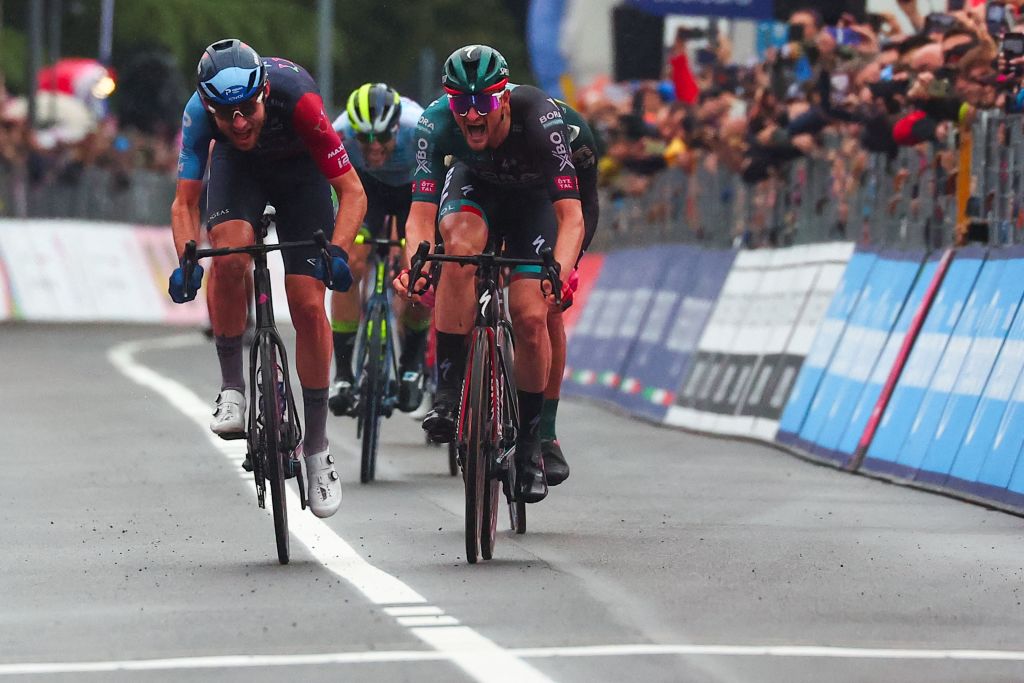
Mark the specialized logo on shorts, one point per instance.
(422, 162)
(561, 151)
(466, 190)
(565, 182)
(428, 186)
(538, 243)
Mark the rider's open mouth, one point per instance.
(476, 129)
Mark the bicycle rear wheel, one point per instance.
(372, 394)
(510, 413)
(476, 421)
(276, 458)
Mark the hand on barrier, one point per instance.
(334, 271)
(181, 290)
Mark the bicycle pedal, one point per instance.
(247, 464)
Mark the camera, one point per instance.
(937, 22)
(998, 19)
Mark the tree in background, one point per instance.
(379, 40)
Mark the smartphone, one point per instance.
(955, 6)
(844, 36)
(998, 19)
(937, 22)
(795, 34)
(1013, 45)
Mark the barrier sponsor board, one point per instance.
(884, 455)
(668, 336)
(605, 332)
(876, 312)
(757, 338)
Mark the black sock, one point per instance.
(314, 410)
(451, 361)
(413, 344)
(530, 405)
(229, 353)
(344, 345)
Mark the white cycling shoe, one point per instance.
(323, 486)
(229, 415)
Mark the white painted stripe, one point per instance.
(418, 611)
(464, 649)
(440, 620)
(480, 663)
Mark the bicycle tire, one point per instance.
(476, 420)
(494, 475)
(453, 457)
(373, 391)
(507, 353)
(270, 407)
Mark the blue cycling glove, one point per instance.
(340, 276)
(176, 284)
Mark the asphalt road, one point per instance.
(134, 551)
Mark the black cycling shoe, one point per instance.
(530, 475)
(343, 397)
(410, 389)
(556, 469)
(439, 423)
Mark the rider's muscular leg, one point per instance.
(312, 355)
(346, 309)
(529, 313)
(464, 234)
(226, 299)
(553, 389)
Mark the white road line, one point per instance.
(480, 658)
(413, 611)
(398, 656)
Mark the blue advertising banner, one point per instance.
(993, 438)
(883, 298)
(606, 331)
(914, 382)
(668, 336)
(735, 9)
(829, 333)
(858, 419)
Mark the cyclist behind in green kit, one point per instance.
(525, 166)
(383, 126)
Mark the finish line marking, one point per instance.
(393, 656)
(480, 658)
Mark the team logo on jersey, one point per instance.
(551, 118)
(428, 186)
(561, 151)
(565, 182)
(422, 162)
(425, 123)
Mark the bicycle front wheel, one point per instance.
(271, 401)
(373, 391)
(478, 425)
(510, 415)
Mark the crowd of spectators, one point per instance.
(838, 92)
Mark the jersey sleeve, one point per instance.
(312, 125)
(549, 137)
(196, 134)
(429, 153)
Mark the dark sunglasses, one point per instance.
(483, 103)
(366, 138)
(226, 112)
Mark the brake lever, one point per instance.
(551, 268)
(188, 265)
(321, 241)
(416, 269)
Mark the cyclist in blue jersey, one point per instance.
(383, 126)
(274, 143)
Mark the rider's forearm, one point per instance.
(569, 213)
(419, 227)
(351, 209)
(184, 224)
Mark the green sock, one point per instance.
(547, 419)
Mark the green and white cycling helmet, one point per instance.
(475, 69)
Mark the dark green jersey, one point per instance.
(549, 146)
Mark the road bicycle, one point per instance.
(488, 417)
(274, 431)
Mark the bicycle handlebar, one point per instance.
(192, 254)
(423, 256)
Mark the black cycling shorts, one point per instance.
(523, 217)
(383, 201)
(239, 189)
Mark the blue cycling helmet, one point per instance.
(230, 72)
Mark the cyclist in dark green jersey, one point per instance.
(494, 156)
